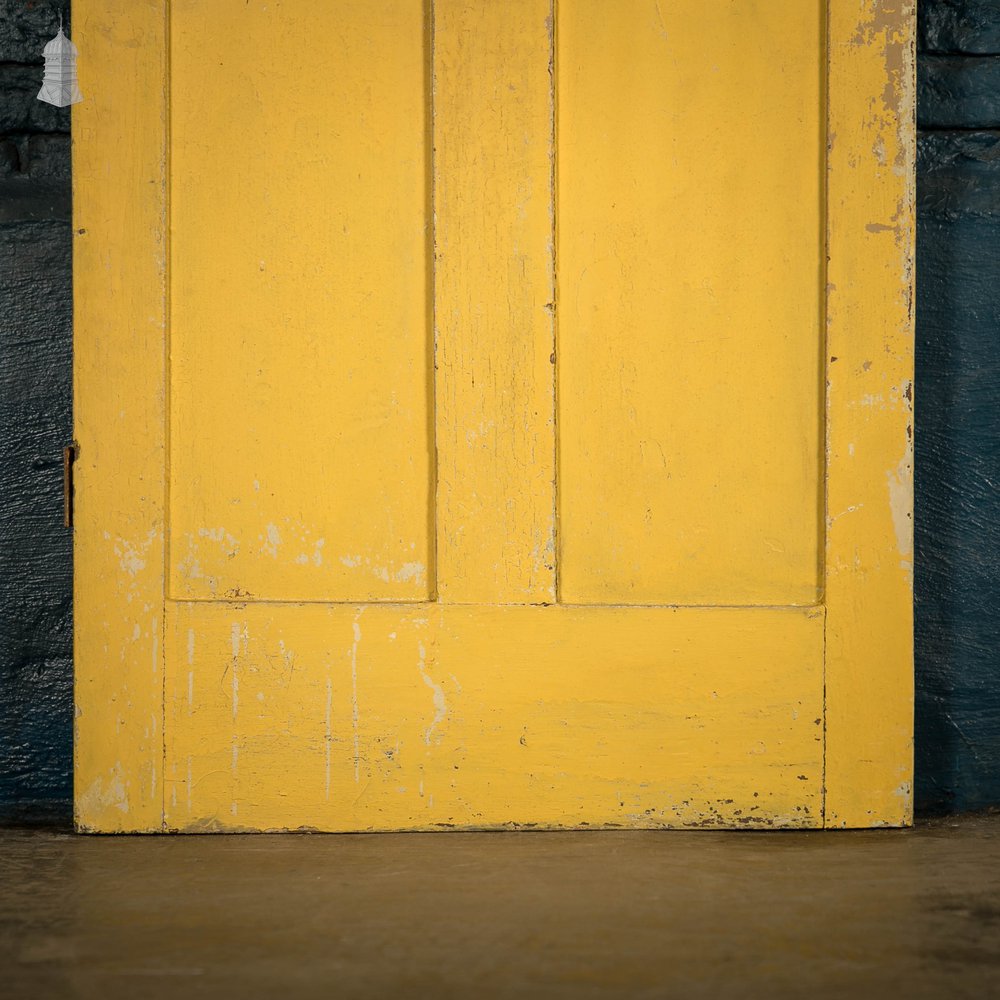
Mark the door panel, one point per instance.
(374, 717)
(691, 265)
(300, 302)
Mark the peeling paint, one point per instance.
(271, 540)
(104, 793)
(440, 704)
(415, 571)
(900, 482)
(237, 635)
(409, 571)
(223, 538)
(132, 556)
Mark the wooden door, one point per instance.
(493, 414)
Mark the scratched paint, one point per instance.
(440, 703)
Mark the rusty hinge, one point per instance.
(69, 456)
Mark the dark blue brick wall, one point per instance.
(957, 503)
(36, 676)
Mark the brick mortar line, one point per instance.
(959, 129)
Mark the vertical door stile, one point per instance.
(119, 330)
(494, 302)
(868, 679)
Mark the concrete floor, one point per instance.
(869, 914)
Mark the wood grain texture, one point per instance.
(494, 301)
(690, 268)
(119, 216)
(869, 643)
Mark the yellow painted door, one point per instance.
(492, 414)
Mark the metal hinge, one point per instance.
(69, 457)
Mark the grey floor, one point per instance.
(867, 914)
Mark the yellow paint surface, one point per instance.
(299, 302)
(690, 274)
(494, 302)
(395, 321)
(379, 717)
(119, 324)
(869, 589)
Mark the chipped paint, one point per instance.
(223, 538)
(414, 572)
(440, 704)
(410, 571)
(271, 539)
(132, 556)
(868, 677)
(105, 792)
(237, 636)
(900, 482)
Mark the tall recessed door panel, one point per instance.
(300, 312)
(691, 271)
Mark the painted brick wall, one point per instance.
(958, 406)
(36, 698)
(958, 415)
